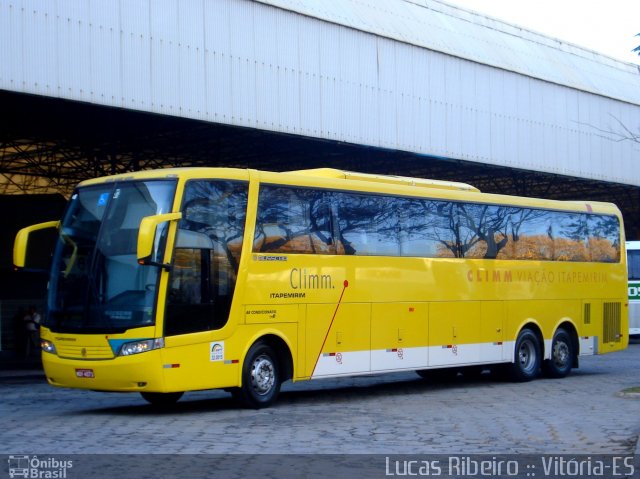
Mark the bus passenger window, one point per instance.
(368, 224)
(293, 220)
(603, 243)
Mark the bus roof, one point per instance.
(388, 179)
(364, 181)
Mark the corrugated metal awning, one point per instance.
(445, 28)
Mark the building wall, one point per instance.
(250, 64)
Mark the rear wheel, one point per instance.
(162, 399)
(562, 355)
(261, 378)
(527, 357)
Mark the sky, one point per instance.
(606, 26)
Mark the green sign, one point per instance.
(634, 290)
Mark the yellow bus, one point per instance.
(200, 278)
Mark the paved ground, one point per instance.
(384, 414)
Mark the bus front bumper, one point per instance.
(140, 372)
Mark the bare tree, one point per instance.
(620, 133)
(625, 133)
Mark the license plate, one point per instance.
(85, 373)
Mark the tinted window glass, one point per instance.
(207, 255)
(484, 229)
(529, 235)
(443, 228)
(603, 238)
(368, 224)
(416, 223)
(96, 279)
(300, 220)
(569, 237)
(294, 220)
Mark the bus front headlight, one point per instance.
(47, 346)
(137, 347)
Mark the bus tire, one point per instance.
(562, 355)
(527, 358)
(162, 399)
(261, 378)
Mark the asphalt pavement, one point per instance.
(399, 413)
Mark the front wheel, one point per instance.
(162, 399)
(561, 356)
(260, 377)
(527, 357)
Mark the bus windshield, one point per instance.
(96, 282)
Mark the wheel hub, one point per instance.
(560, 354)
(526, 355)
(262, 375)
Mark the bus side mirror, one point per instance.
(32, 250)
(147, 235)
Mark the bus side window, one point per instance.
(368, 224)
(603, 238)
(293, 220)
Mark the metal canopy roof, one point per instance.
(49, 145)
(445, 28)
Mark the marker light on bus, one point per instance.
(137, 347)
(47, 346)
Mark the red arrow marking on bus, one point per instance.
(346, 285)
